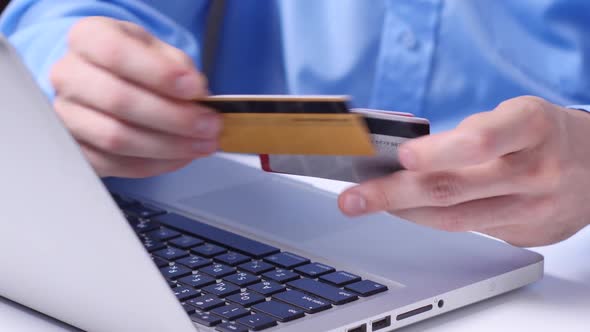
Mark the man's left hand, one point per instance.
(520, 173)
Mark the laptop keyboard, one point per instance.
(234, 283)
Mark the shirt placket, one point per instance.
(406, 53)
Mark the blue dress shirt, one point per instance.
(438, 59)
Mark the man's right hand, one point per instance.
(126, 98)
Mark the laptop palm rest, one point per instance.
(282, 211)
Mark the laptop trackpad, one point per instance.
(275, 208)
(303, 217)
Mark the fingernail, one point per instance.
(208, 126)
(406, 157)
(189, 86)
(205, 146)
(354, 204)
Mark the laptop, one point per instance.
(216, 246)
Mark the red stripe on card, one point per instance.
(265, 162)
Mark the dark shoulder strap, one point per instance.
(212, 35)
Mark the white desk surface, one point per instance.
(559, 302)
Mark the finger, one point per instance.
(109, 134)
(79, 81)
(513, 126)
(137, 56)
(106, 164)
(471, 216)
(408, 189)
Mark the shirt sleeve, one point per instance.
(39, 29)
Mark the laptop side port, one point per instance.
(361, 328)
(382, 323)
(414, 312)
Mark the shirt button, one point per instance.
(408, 40)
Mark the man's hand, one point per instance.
(126, 97)
(520, 173)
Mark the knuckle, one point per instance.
(532, 103)
(443, 189)
(535, 110)
(56, 74)
(114, 138)
(77, 32)
(523, 103)
(481, 143)
(60, 106)
(452, 222)
(379, 195)
(88, 26)
(118, 101)
(113, 56)
(484, 141)
(136, 32)
(180, 56)
(185, 119)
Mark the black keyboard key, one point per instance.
(279, 310)
(242, 279)
(142, 211)
(194, 262)
(230, 327)
(230, 312)
(185, 242)
(232, 258)
(267, 287)
(174, 272)
(366, 288)
(340, 278)
(123, 201)
(144, 226)
(221, 289)
(310, 304)
(257, 321)
(246, 298)
(208, 250)
(204, 318)
(198, 280)
(314, 270)
(218, 270)
(188, 308)
(213, 234)
(281, 276)
(333, 294)
(170, 254)
(152, 245)
(206, 302)
(256, 267)
(160, 262)
(286, 260)
(184, 293)
(163, 234)
(171, 283)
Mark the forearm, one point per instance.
(39, 29)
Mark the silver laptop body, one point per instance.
(67, 251)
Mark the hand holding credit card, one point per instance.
(315, 136)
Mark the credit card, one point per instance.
(292, 125)
(388, 131)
